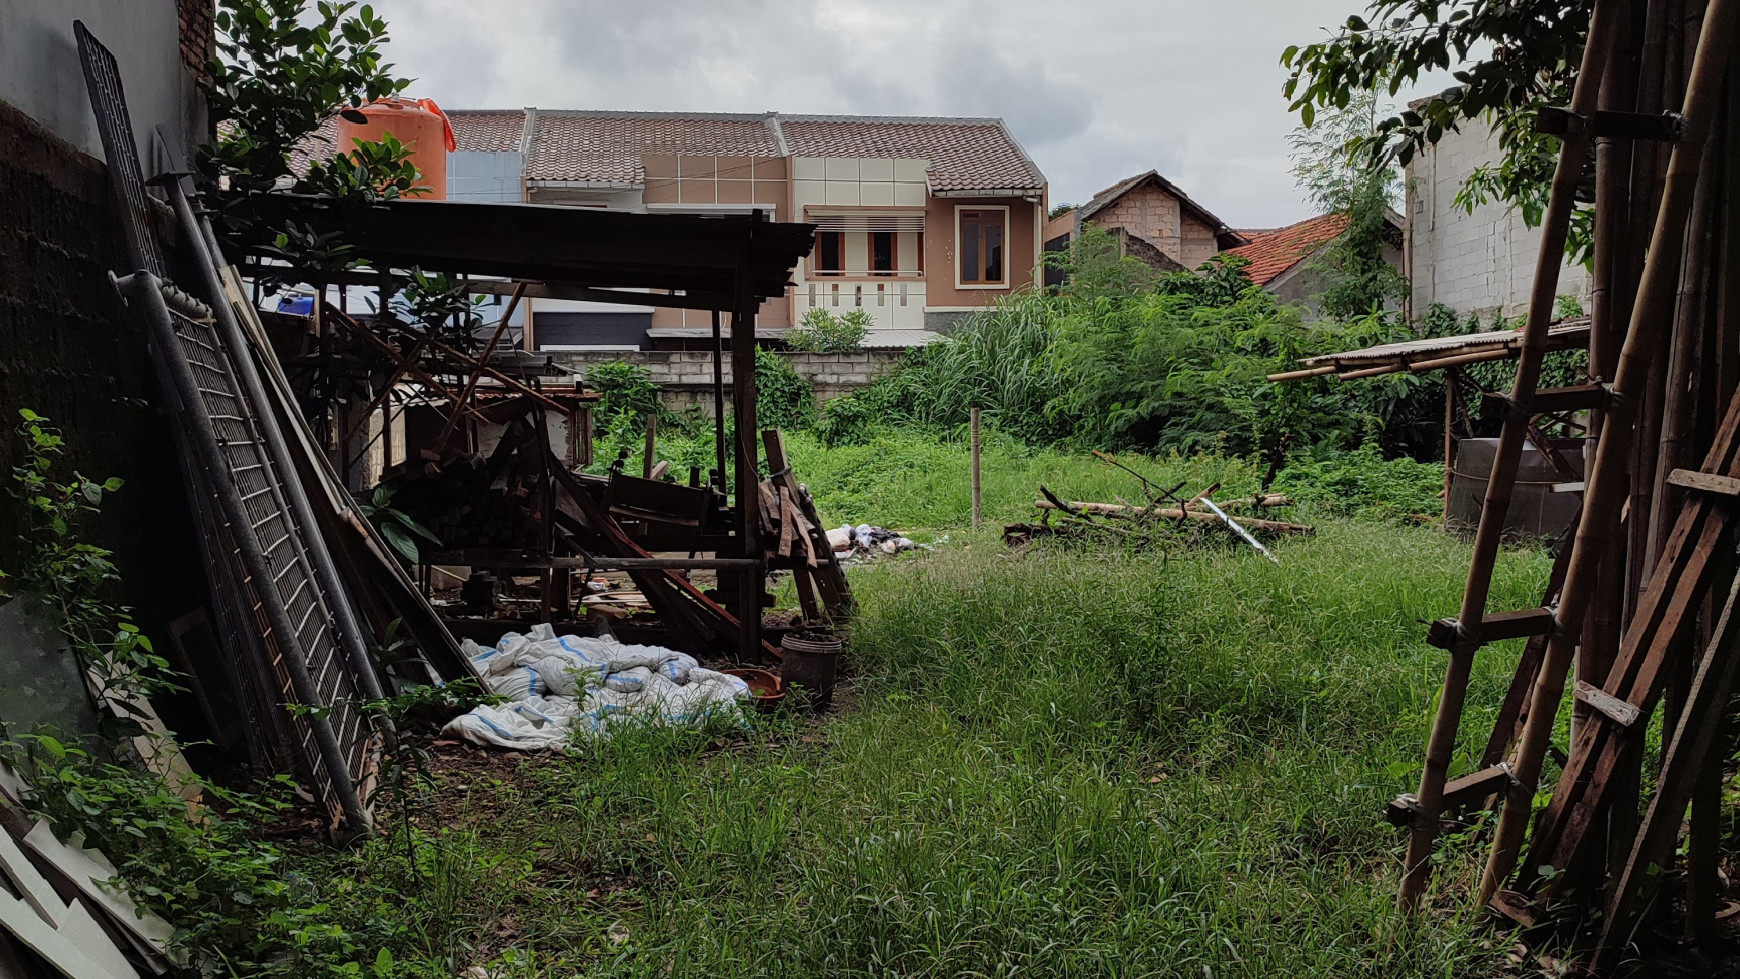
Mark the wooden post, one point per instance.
(978, 508)
(748, 496)
(1609, 483)
(719, 399)
(652, 444)
(1451, 393)
(1442, 742)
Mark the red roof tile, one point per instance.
(1277, 251)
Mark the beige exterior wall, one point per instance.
(1157, 216)
(863, 187)
(940, 250)
(1197, 244)
(744, 181)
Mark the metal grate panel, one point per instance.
(103, 82)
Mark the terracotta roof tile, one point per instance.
(488, 130)
(965, 154)
(1274, 253)
(606, 147)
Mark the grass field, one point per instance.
(1064, 762)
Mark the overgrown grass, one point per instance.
(1067, 761)
(1063, 763)
(909, 480)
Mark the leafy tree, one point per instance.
(1358, 278)
(1096, 265)
(282, 70)
(1534, 47)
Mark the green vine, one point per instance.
(69, 575)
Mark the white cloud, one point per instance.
(1096, 90)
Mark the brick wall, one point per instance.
(67, 352)
(195, 20)
(687, 375)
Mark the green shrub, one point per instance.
(823, 332)
(784, 398)
(1363, 482)
(627, 396)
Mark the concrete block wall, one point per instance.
(1480, 262)
(687, 375)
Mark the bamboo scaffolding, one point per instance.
(1442, 744)
(1608, 482)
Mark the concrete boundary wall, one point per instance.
(687, 375)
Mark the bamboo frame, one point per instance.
(1442, 743)
(1608, 481)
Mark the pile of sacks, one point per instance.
(562, 686)
(869, 539)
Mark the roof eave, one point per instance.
(1021, 192)
(586, 184)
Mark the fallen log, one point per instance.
(1174, 513)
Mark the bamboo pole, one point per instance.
(1442, 743)
(1608, 481)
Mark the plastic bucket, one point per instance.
(811, 661)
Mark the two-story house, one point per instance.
(919, 220)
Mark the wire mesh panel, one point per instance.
(283, 543)
(261, 576)
(103, 81)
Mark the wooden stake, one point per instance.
(652, 444)
(977, 508)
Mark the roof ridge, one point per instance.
(650, 114)
(773, 124)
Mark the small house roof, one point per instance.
(1225, 236)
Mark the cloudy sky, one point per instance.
(1095, 89)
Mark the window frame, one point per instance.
(893, 268)
(816, 270)
(1007, 241)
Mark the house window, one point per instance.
(882, 252)
(830, 254)
(981, 234)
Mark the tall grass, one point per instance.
(1070, 763)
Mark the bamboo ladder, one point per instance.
(1675, 589)
(1472, 627)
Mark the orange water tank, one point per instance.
(420, 125)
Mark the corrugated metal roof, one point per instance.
(1446, 346)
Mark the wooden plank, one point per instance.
(58, 950)
(37, 892)
(1447, 633)
(1704, 482)
(836, 593)
(89, 871)
(1687, 755)
(1607, 705)
(1458, 792)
